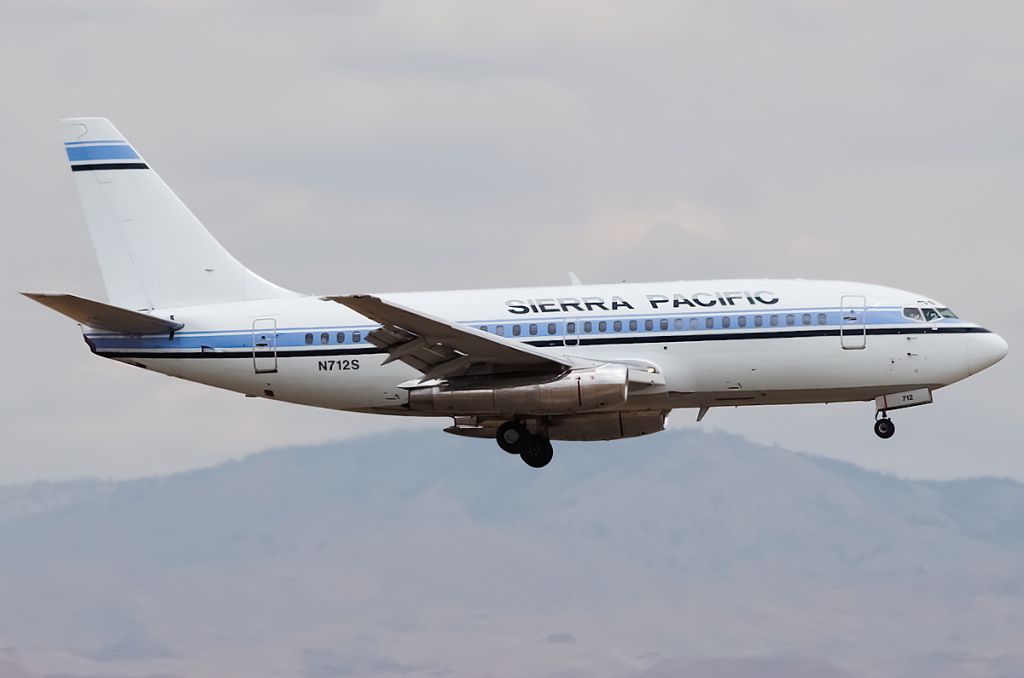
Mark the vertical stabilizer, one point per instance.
(153, 252)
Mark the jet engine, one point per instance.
(575, 391)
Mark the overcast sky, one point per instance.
(391, 146)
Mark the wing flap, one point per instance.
(101, 316)
(440, 348)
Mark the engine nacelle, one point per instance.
(577, 391)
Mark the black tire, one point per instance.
(539, 452)
(513, 437)
(884, 428)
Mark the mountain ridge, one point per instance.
(412, 554)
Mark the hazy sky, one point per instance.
(386, 146)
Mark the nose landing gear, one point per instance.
(534, 449)
(884, 428)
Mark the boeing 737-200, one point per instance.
(521, 366)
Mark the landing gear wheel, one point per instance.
(513, 437)
(884, 428)
(538, 453)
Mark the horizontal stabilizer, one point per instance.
(102, 316)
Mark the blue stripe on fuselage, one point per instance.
(296, 337)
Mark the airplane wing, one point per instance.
(104, 316)
(443, 349)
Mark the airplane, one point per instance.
(521, 366)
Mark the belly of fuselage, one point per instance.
(732, 372)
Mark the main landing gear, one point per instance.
(884, 428)
(534, 449)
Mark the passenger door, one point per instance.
(264, 345)
(853, 331)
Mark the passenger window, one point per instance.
(552, 328)
(775, 321)
(500, 330)
(482, 328)
(325, 338)
(822, 319)
(758, 321)
(588, 327)
(570, 328)
(341, 337)
(726, 322)
(632, 326)
(357, 337)
(617, 326)
(602, 326)
(648, 325)
(709, 323)
(790, 319)
(533, 329)
(742, 321)
(693, 323)
(930, 313)
(663, 324)
(309, 339)
(678, 324)
(806, 319)
(517, 330)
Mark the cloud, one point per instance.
(501, 146)
(809, 246)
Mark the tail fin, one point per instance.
(153, 252)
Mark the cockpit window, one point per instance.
(912, 313)
(927, 313)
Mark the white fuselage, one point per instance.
(716, 342)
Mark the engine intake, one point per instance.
(577, 391)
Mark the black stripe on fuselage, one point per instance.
(242, 353)
(109, 166)
(731, 336)
(584, 341)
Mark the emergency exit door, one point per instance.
(571, 335)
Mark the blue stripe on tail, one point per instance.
(105, 152)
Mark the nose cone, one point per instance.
(984, 350)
